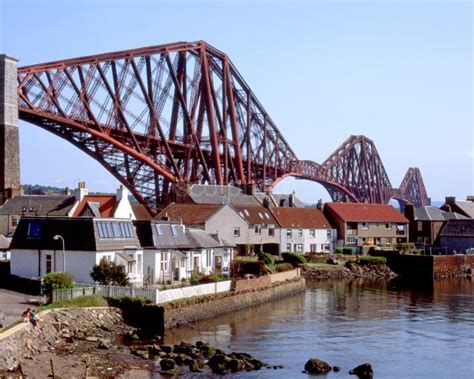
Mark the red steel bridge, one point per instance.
(161, 117)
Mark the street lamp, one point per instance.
(58, 237)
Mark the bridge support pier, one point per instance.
(9, 131)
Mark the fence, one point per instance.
(106, 291)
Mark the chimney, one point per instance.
(266, 203)
(122, 193)
(81, 191)
(449, 201)
(67, 191)
(409, 212)
(320, 205)
(291, 199)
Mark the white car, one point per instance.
(470, 250)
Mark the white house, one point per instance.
(173, 253)
(304, 230)
(74, 245)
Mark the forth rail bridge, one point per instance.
(160, 118)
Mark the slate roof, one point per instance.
(429, 213)
(357, 212)
(282, 200)
(189, 214)
(255, 215)
(465, 207)
(103, 204)
(149, 236)
(40, 205)
(79, 233)
(200, 238)
(303, 218)
(458, 228)
(213, 194)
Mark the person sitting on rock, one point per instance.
(33, 318)
(26, 315)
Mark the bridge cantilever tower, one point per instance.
(182, 113)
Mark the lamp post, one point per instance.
(58, 237)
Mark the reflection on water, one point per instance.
(403, 331)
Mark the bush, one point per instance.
(281, 267)
(56, 281)
(109, 273)
(347, 250)
(196, 277)
(246, 265)
(267, 258)
(405, 246)
(368, 260)
(216, 276)
(339, 250)
(294, 259)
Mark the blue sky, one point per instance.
(399, 72)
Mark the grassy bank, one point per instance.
(80, 302)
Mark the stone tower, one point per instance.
(9, 136)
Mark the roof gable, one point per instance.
(429, 213)
(189, 214)
(357, 212)
(104, 204)
(38, 205)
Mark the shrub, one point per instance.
(56, 281)
(216, 276)
(109, 273)
(347, 250)
(339, 250)
(368, 260)
(245, 265)
(405, 246)
(267, 258)
(196, 277)
(281, 267)
(294, 259)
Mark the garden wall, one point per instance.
(199, 290)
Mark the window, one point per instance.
(329, 233)
(299, 247)
(312, 233)
(260, 215)
(300, 232)
(174, 231)
(365, 225)
(351, 240)
(116, 230)
(271, 230)
(159, 232)
(325, 247)
(14, 221)
(289, 233)
(48, 263)
(388, 226)
(34, 230)
(164, 261)
(236, 231)
(126, 230)
(208, 258)
(420, 226)
(420, 239)
(288, 247)
(312, 248)
(266, 216)
(258, 229)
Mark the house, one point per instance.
(74, 244)
(263, 232)
(221, 219)
(458, 235)
(304, 230)
(171, 252)
(427, 222)
(367, 224)
(465, 208)
(79, 204)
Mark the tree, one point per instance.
(109, 273)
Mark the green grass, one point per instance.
(79, 302)
(325, 266)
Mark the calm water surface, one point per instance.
(404, 332)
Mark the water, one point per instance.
(404, 332)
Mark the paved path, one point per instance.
(13, 304)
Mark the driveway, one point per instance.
(13, 304)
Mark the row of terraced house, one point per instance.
(202, 232)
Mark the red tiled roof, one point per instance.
(141, 212)
(255, 214)
(304, 218)
(107, 205)
(367, 212)
(189, 214)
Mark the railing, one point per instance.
(106, 291)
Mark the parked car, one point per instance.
(470, 250)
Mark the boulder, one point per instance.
(235, 365)
(316, 366)
(167, 364)
(363, 371)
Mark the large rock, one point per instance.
(363, 371)
(167, 364)
(316, 366)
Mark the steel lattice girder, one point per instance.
(182, 113)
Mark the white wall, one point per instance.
(123, 208)
(320, 238)
(223, 223)
(202, 289)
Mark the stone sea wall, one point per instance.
(190, 310)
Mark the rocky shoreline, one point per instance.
(349, 271)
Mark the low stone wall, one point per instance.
(265, 281)
(188, 311)
(286, 275)
(448, 265)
